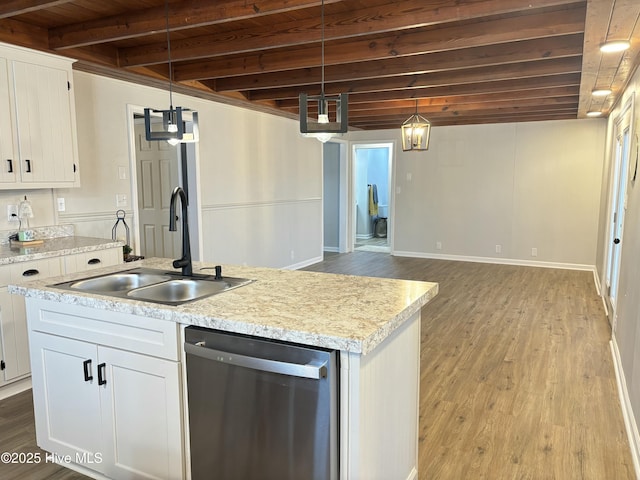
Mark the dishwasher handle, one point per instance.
(314, 370)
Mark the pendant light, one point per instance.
(323, 128)
(173, 126)
(415, 132)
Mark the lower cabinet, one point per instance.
(13, 323)
(107, 390)
(14, 347)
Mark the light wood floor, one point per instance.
(517, 377)
(517, 380)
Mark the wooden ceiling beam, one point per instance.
(12, 8)
(539, 68)
(453, 121)
(500, 86)
(542, 94)
(375, 45)
(497, 112)
(182, 15)
(536, 103)
(527, 50)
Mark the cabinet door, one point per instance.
(8, 339)
(142, 416)
(66, 398)
(8, 155)
(44, 122)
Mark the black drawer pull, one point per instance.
(94, 261)
(10, 162)
(31, 272)
(102, 374)
(86, 365)
(28, 166)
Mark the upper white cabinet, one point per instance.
(38, 131)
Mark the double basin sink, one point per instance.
(157, 286)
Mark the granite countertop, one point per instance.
(54, 247)
(344, 312)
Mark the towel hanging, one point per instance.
(373, 200)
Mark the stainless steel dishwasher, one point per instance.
(260, 410)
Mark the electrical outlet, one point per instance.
(498, 248)
(122, 172)
(121, 200)
(438, 245)
(534, 252)
(61, 205)
(12, 213)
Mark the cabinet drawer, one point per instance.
(81, 262)
(35, 269)
(148, 336)
(5, 275)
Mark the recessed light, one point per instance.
(594, 114)
(615, 46)
(601, 92)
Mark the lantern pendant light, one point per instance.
(415, 132)
(323, 128)
(173, 126)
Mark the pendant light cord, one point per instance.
(166, 15)
(322, 46)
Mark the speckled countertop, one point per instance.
(349, 313)
(54, 247)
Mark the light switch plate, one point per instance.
(61, 205)
(12, 213)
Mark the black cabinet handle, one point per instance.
(10, 162)
(31, 272)
(86, 365)
(28, 165)
(94, 261)
(102, 374)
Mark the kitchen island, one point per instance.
(130, 363)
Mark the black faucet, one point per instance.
(185, 261)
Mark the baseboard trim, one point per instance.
(305, 263)
(503, 261)
(627, 411)
(331, 249)
(14, 388)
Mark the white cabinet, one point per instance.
(38, 129)
(13, 322)
(112, 410)
(14, 345)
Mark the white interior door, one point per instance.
(618, 205)
(157, 175)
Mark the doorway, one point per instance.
(156, 169)
(372, 168)
(618, 205)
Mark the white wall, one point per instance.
(626, 337)
(331, 196)
(260, 181)
(520, 186)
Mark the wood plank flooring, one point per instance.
(517, 380)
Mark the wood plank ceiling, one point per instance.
(461, 62)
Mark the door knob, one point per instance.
(616, 241)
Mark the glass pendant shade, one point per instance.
(324, 128)
(415, 133)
